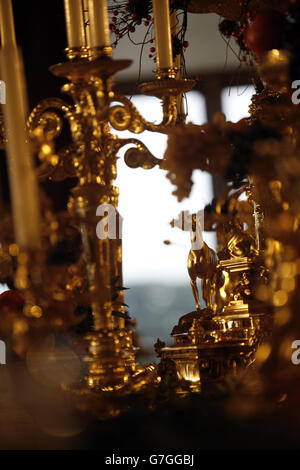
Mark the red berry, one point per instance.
(186, 44)
(150, 55)
(152, 49)
(146, 23)
(114, 19)
(115, 12)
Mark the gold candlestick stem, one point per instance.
(112, 366)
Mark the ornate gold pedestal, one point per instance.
(208, 346)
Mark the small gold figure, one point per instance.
(233, 221)
(202, 263)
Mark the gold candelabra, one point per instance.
(92, 157)
(209, 343)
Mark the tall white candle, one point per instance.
(87, 23)
(174, 32)
(7, 27)
(99, 24)
(74, 23)
(177, 63)
(162, 32)
(22, 179)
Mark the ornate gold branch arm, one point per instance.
(43, 110)
(138, 156)
(127, 117)
(45, 118)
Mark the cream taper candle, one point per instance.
(7, 27)
(177, 62)
(99, 24)
(174, 32)
(74, 23)
(87, 22)
(162, 32)
(22, 178)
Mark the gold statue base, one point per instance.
(208, 348)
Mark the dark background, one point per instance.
(40, 32)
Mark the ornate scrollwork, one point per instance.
(129, 118)
(41, 116)
(138, 156)
(64, 168)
